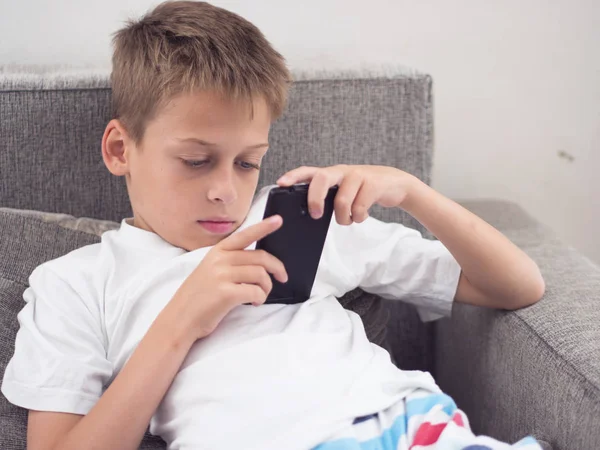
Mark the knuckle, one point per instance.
(342, 219)
(219, 245)
(257, 294)
(226, 291)
(266, 279)
(263, 258)
(359, 214)
(314, 204)
(342, 202)
(218, 257)
(218, 272)
(275, 264)
(257, 273)
(344, 169)
(359, 208)
(321, 175)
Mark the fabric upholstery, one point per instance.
(536, 370)
(49, 127)
(13, 420)
(24, 244)
(85, 224)
(403, 324)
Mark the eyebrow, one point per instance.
(210, 144)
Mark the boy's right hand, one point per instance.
(228, 276)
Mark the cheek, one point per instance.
(156, 185)
(145, 167)
(183, 191)
(174, 191)
(246, 189)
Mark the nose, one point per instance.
(222, 188)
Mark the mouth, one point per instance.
(217, 226)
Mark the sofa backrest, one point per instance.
(51, 125)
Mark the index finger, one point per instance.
(241, 240)
(304, 173)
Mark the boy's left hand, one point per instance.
(360, 187)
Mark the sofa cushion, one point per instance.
(29, 238)
(13, 420)
(25, 242)
(85, 224)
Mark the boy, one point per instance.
(152, 325)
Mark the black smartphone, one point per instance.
(298, 244)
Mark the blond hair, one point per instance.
(186, 46)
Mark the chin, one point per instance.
(205, 241)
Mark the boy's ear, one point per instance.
(116, 147)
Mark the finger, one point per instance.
(241, 240)
(260, 258)
(249, 293)
(364, 200)
(319, 186)
(252, 275)
(345, 198)
(299, 175)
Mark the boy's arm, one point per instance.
(227, 277)
(121, 416)
(495, 272)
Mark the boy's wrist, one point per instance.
(416, 194)
(175, 328)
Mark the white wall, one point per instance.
(516, 82)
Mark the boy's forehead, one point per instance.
(208, 111)
(210, 103)
(205, 119)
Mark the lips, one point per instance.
(217, 225)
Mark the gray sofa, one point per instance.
(534, 371)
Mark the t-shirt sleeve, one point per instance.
(60, 360)
(396, 262)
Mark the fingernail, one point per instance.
(283, 179)
(316, 213)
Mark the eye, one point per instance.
(248, 166)
(194, 164)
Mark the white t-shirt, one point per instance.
(269, 377)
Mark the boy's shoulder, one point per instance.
(80, 263)
(72, 281)
(107, 267)
(89, 262)
(88, 275)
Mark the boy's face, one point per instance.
(193, 176)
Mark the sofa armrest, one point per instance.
(533, 371)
